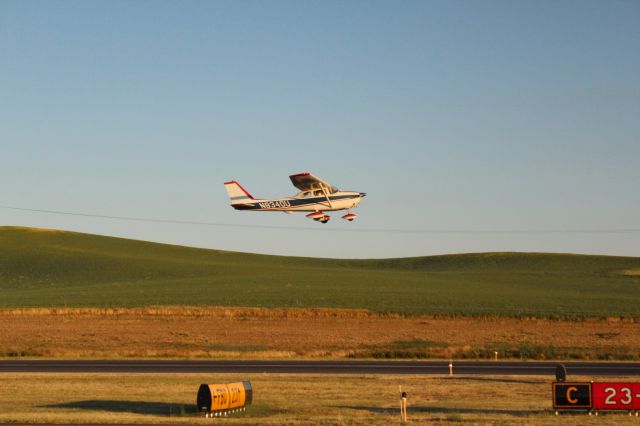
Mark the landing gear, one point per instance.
(350, 216)
(319, 217)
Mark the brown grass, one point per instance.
(632, 272)
(215, 312)
(301, 333)
(286, 399)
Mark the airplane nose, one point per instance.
(363, 194)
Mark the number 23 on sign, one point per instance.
(616, 396)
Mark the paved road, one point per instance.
(321, 367)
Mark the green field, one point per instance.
(40, 268)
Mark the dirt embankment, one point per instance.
(187, 332)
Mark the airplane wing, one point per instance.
(308, 182)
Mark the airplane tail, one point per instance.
(237, 194)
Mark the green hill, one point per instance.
(42, 268)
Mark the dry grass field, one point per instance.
(179, 332)
(286, 399)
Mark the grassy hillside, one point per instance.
(53, 268)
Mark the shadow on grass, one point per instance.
(136, 407)
(442, 410)
(164, 409)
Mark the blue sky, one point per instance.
(453, 115)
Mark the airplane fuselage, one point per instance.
(341, 200)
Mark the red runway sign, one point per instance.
(596, 396)
(616, 396)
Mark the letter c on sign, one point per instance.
(569, 390)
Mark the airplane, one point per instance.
(315, 196)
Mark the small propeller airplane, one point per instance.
(315, 196)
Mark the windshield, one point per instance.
(316, 192)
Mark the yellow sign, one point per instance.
(225, 396)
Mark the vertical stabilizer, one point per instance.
(237, 194)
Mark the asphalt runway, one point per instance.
(320, 367)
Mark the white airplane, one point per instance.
(315, 196)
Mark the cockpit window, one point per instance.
(316, 192)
